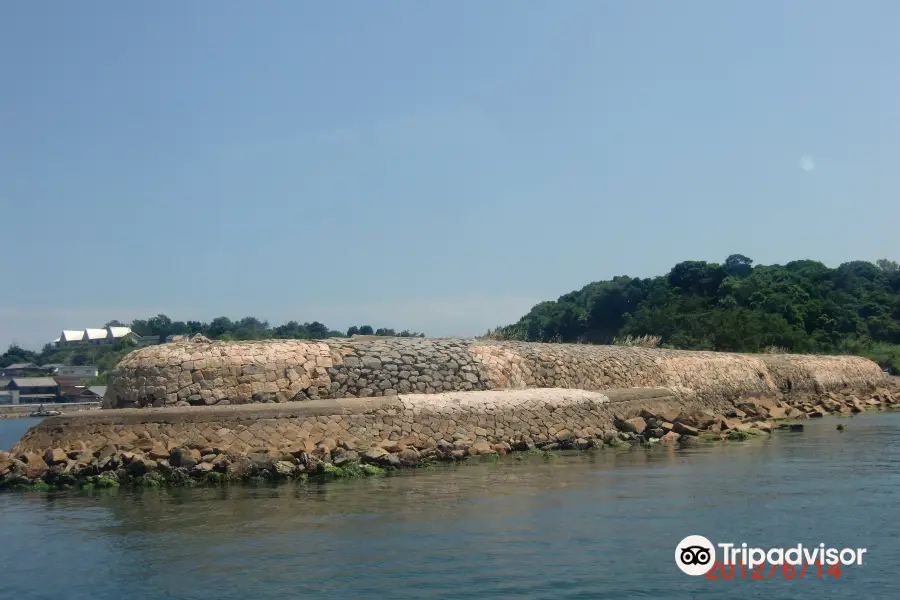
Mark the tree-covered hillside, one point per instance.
(802, 306)
(250, 328)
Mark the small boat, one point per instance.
(45, 413)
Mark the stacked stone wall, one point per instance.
(208, 373)
(417, 420)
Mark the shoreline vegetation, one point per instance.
(130, 466)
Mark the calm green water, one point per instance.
(598, 525)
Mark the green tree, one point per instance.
(16, 354)
(803, 306)
(738, 265)
(888, 266)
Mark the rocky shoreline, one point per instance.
(146, 462)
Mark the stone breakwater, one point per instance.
(199, 372)
(367, 436)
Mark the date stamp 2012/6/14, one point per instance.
(814, 570)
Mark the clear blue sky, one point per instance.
(439, 166)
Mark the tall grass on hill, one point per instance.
(886, 355)
(638, 341)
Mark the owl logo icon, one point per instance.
(695, 555)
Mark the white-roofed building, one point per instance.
(116, 334)
(95, 336)
(70, 337)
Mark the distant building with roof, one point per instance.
(71, 380)
(33, 390)
(70, 337)
(20, 370)
(82, 393)
(82, 371)
(96, 336)
(119, 333)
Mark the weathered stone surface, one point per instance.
(138, 466)
(638, 425)
(563, 436)
(375, 453)
(342, 456)
(670, 438)
(183, 458)
(204, 373)
(409, 457)
(54, 456)
(776, 412)
(240, 466)
(682, 429)
(283, 468)
(262, 461)
(481, 447)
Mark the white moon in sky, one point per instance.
(807, 163)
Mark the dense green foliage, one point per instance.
(250, 328)
(158, 328)
(802, 306)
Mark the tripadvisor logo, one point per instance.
(695, 555)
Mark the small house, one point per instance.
(96, 391)
(70, 337)
(120, 334)
(82, 371)
(70, 393)
(34, 390)
(96, 336)
(82, 393)
(20, 370)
